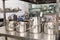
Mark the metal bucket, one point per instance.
(36, 25)
(49, 28)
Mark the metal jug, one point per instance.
(36, 25)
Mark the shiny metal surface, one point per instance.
(35, 26)
(43, 37)
(21, 34)
(21, 27)
(49, 28)
(11, 33)
(40, 36)
(11, 26)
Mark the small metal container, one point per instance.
(11, 26)
(21, 27)
(49, 28)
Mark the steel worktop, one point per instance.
(40, 36)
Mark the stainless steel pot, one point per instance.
(11, 26)
(49, 28)
(21, 27)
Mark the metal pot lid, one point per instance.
(40, 1)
